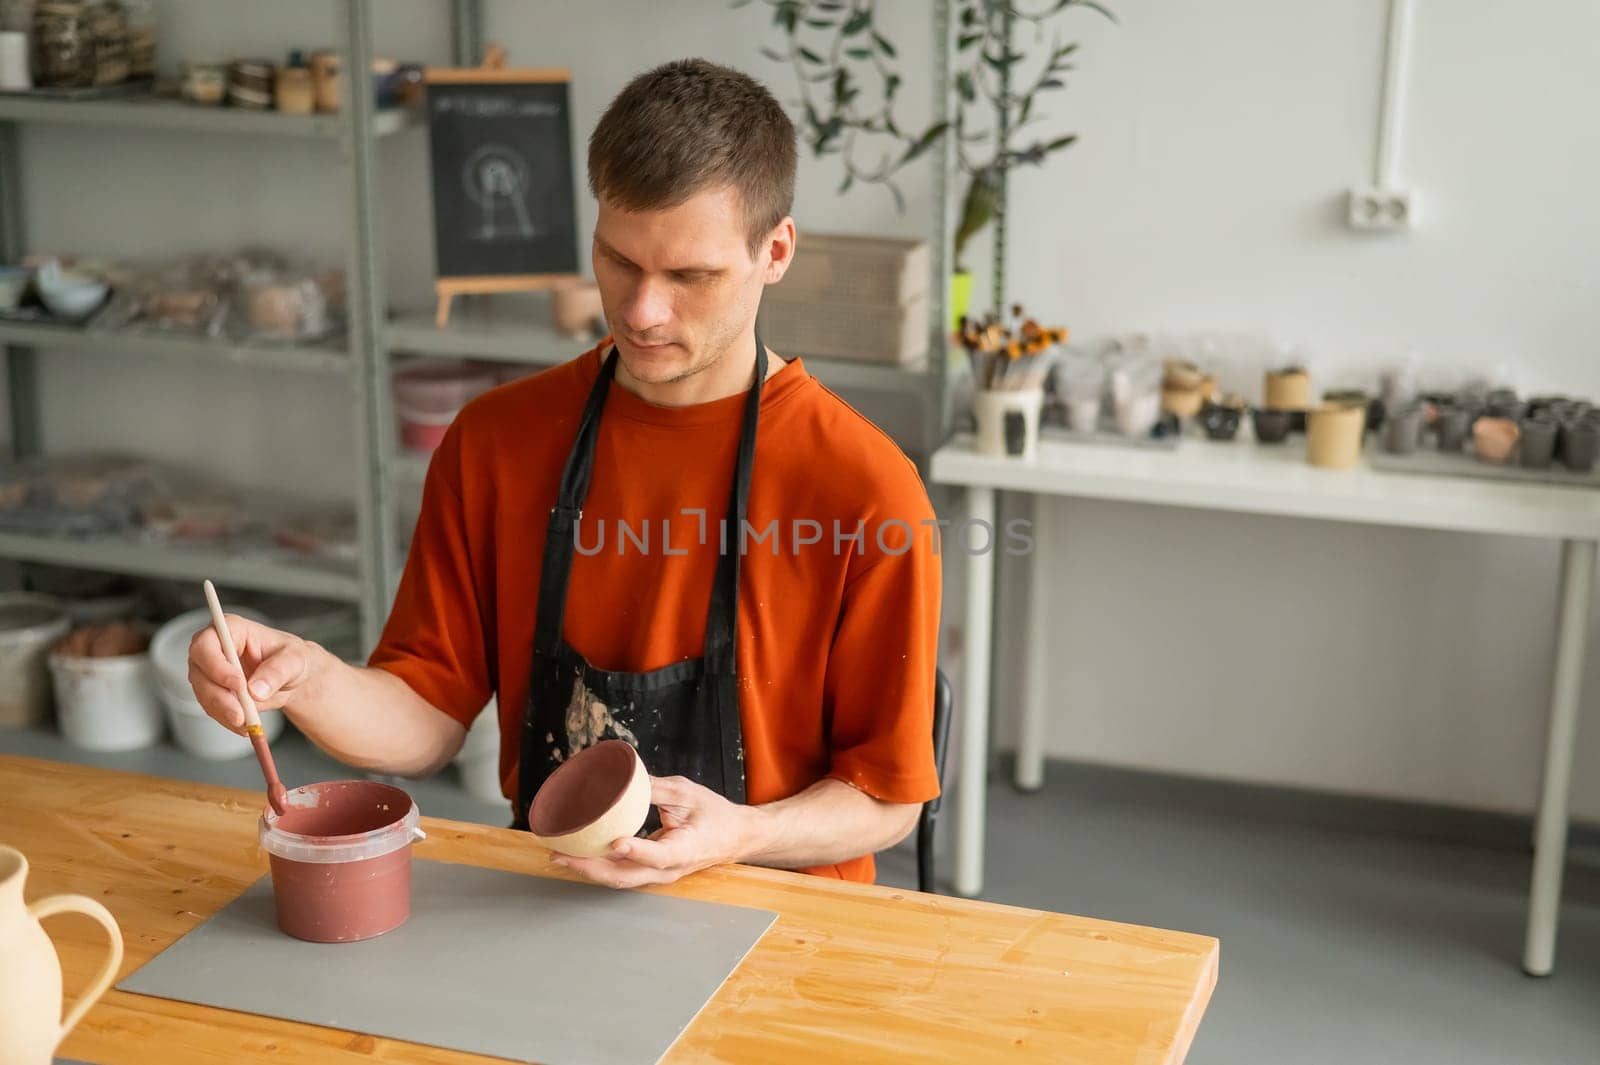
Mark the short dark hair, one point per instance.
(692, 125)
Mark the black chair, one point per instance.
(942, 700)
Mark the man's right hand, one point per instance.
(276, 665)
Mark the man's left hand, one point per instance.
(699, 829)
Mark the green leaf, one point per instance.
(899, 198)
(1052, 83)
(1060, 143)
(787, 15)
(928, 139)
(965, 88)
(857, 22)
(883, 44)
(844, 186)
(858, 53)
(967, 41)
(890, 85)
(1027, 109)
(775, 56)
(819, 24)
(1096, 7)
(1064, 51)
(740, 3)
(809, 56)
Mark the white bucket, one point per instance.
(192, 727)
(478, 761)
(107, 704)
(29, 625)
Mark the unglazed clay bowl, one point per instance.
(596, 797)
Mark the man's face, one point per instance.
(679, 285)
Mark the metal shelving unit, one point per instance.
(353, 133)
(364, 356)
(144, 112)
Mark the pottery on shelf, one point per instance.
(68, 294)
(1494, 438)
(1452, 424)
(1580, 442)
(1271, 426)
(1402, 429)
(1536, 442)
(1333, 435)
(1220, 420)
(1287, 389)
(594, 798)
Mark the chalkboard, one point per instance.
(503, 186)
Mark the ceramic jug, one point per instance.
(30, 974)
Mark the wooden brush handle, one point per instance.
(252, 717)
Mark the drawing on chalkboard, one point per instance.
(496, 178)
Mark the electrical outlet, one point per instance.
(1372, 208)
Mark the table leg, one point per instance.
(1031, 725)
(970, 792)
(1550, 832)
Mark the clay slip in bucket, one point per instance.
(341, 860)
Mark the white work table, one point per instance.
(1252, 478)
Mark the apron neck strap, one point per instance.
(722, 620)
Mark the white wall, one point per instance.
(1216, 143)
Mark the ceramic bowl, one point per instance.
(596, 797)
(1494, 438)
(1220, 421)
(1271, 426)
(69, 295)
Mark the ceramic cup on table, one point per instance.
(1536, 442)
(1083, 413)
(1453, 425)
(1008, 421)
(1137, 414)
(1494, 439)
(1271, 426)
(1402, 430)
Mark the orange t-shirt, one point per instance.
(837, 640)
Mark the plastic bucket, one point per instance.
(422, 432)
(108, 703)
(341, 860)
(29, 625)
(192, 728)
(429, 395)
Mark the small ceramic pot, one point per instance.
(596, 797)
(1182, 402)
(1220, 422)
(1452, 425)
(1580, 441)
(1494, 438)
(1402, 430)
(325, 79)
(295, 92)
(1536, 444)
(1503, 403)
(1333, 436)
(205, 83)
(1287, 389)
(1008, 421)
(1271, 426)
(1083, 413)
(1136, 414)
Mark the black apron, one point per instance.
(683, 718)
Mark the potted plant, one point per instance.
(847, 72)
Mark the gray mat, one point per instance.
(490, 962)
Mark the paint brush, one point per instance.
(277, 794)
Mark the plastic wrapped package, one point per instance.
(319, 531)
(289, 304)
(79, 495)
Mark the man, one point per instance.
(570, 556)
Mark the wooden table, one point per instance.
(1244, 477)
(848, 972)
